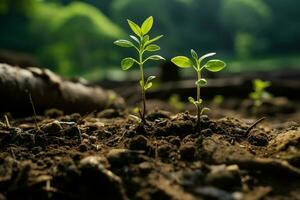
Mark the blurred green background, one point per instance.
(75, 38)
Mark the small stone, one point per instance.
(164, 151)
(139, 142)
(52, 127)
(83, 148)
(187, 151)
(120, 157)
(175, 141)
(108, 113)
(258, 138)
(93, 139)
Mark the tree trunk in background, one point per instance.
(48, 90)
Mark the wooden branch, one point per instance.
(48, 90)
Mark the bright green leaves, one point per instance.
(196, 103)
(260, 94)
(148, 83)
(206, 56)
(141, 43)
(215, 65)
(201, 82)
(152, 47)
(127, 63)
(144, 29)
(194, 54)
(135, 28)
(155, 57)
(195, 62)
(123, 43)
(147, 25)
(154, 39)
(182, 61)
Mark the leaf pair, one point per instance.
(144, 29)
(148, 83)
(197, 104)
(211, 65)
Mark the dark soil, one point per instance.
(106, 155)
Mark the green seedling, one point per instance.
(260, 95)
(196, 63)
(142, 43)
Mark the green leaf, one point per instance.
(148, 86)
(145, 40)
(147, 25)
(123, 43)
(152, 47)
(135, 38)
(191, 99)
(206, 56)
(135, 118)
(260, 85)
(215, 65)
(127, 63)
(135, 28)
(155, 57)
(182, 61)
(141, 83)
(194, 54)
(203, 110)
(201, 82)
(150, 78)
(154, 39)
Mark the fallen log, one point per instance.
(48, 90)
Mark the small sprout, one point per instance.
(174, 101)
(135, 119)
(142, 43)
(196, 63)
(218, 99)
(260, 95)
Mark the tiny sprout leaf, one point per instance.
(127, 63)
(135, 118)
(135, 28)
(135, 38)
(215, 65)
(203, 110)
(155, 57)
(150, 78)
(123, 43)
(147, 25)
(191, 99)
(154, 39)
(201, 82)
(206, 56)
(148, 85)
(145, 39)
(141, 83)
(194, 54)
(182, 61)
(152, 47)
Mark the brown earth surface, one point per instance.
(107, 155)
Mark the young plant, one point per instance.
(196, 63)
(141, 43)
(260, 95)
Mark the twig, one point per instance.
(7, 121)
(255, 124)
(34, 112)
